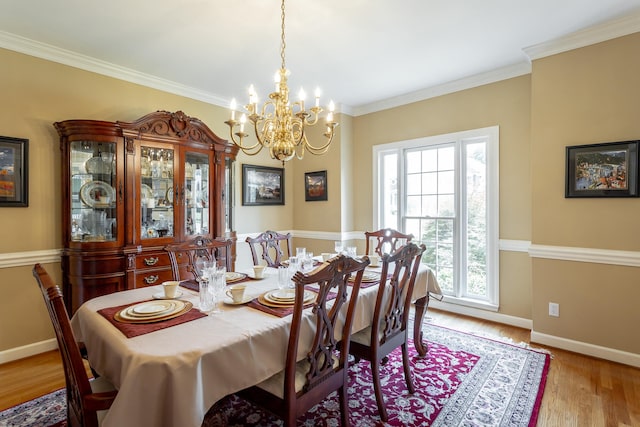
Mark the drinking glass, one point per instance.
(338, 247)
(307, 262)
(219, 286)
(283, 277)
(300, 252)
(206, 296)
(352, 251)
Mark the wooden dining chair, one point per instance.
(183, 256)
(270, 243)
(388, 329)
(385, 241)
(302, 384)
(87, 401)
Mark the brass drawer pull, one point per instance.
(151, 279)
(151, 261)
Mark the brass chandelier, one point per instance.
(279, 125)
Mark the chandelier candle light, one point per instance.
(279, 125)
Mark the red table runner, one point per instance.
(131, 330)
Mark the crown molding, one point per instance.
(499, 74)
(612, 29)
(66, 57)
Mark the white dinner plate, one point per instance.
(269, 297)
(366, 277)
(151, 310)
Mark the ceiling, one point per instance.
(360, 52)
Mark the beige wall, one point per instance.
(584, 96)
(506, 104)
(37, 93)
(589, 95)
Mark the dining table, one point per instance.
(169, 373)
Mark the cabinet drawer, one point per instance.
(152, 260)
(153, 277)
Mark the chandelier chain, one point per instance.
(282, 42)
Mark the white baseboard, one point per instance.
(27, 350)
(600, 352)
(482, 314)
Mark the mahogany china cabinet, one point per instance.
(129, 189)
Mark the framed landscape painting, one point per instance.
(262, 185)
(14, 172)
(602, 170)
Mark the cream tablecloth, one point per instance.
(171, 377)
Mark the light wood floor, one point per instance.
(580, 391)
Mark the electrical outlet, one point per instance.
(554, 309)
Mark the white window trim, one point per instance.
(493, 200)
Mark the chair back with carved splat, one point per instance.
(303, 384)
(388, 330)
(183, 256)
(270, 244)
(385, 241)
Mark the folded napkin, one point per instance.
(131, 330)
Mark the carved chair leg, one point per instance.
(375, 371)
(407, 368)
(421, 308)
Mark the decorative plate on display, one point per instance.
(97, 165)
(146, 193)
(169, 196)
(97, 194)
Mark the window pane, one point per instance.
(446, 158)
(413, 163)
(430, 183)
(413, 205)
(446, 182)
(413, 184)
(429, 160)
(389, 193)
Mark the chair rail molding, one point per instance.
(592, 255)
(20, 259)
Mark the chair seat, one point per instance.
(274, 384)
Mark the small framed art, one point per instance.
(262, 185)
(602, 170)
(315, 186)
(14, 172)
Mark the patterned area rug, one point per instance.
(465, 380)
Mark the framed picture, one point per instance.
(14, 172)
(315, 186)
(602, 170)
(262, 185)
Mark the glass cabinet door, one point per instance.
(93, 191)
(196, 194)
(156, 192)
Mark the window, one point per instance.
(444, 191)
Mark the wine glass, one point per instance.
(338, 247)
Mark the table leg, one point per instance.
(421, 307)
